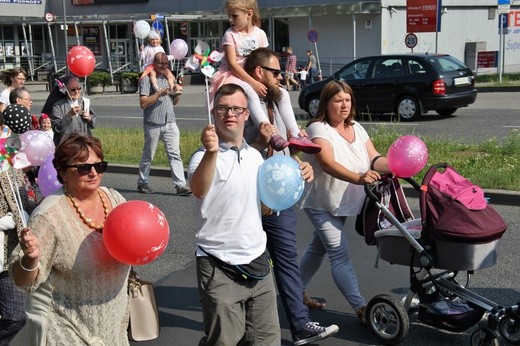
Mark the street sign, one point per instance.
(504, 6)
(49, 17)
(312, 35)
(159, 27)
(410, 40)
(503, 23)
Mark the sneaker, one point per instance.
(304, 144)
(144, 188)
(278, 142)
(183, 191)
(312, 331)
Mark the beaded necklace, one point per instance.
(86, 220)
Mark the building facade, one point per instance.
(32, 32)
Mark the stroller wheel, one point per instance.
(509, 327)
(482, 338)
(387, 319)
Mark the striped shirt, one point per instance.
(161, 112)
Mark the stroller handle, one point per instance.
(385, 178)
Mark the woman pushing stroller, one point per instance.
(347, 161)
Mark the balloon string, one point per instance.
(17, 197)
(207, 99)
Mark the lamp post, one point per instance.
(65, 34)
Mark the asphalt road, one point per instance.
(174, 275)
(493, 115)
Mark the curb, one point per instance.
(501, 197)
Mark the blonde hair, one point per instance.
(245, 5)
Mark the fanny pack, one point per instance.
(258, 269)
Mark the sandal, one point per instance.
(312, 303)
(361, 314)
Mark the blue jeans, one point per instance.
(169, 134)
(328, 238)
(281, 243)
(236, 312)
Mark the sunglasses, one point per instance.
(75, 89)
(85, 168)
(275, 72)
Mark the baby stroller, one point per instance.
(457, 232)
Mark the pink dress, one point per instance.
(244, 44)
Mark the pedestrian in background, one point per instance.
(302, 72)
(159, 124)
(13, 78)
(311, 67)
(290, 70)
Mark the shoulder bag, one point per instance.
(144, 316)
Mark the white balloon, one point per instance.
(178, 48)
(141, 29)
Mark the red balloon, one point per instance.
(136, 232)
(81, 61)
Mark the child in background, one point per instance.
(302, 71)
(46, 125)
(147, 56)
(239, 40)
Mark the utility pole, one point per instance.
(65, 34)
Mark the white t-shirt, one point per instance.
(228, 218)
(338, 197)
(303, 74)
(4, 97)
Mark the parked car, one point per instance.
(405, 84)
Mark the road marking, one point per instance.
(514, 126)
(389, 123)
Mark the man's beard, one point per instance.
(273, 93)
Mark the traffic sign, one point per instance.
(410, 40)
(159, 27)
(49, 17)
(312, 35)
(503, 23)
(504, 6)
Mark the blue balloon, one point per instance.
(280, 182)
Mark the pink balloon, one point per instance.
(178, 48)
(37, 145)
(48, 177)
(407, 156)
(81, 61)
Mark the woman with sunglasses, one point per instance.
(77, 292)
(73, 113)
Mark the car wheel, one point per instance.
(446, 112)
(312, 106)
(408, 108)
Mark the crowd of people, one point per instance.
(59, 280)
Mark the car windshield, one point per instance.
(354, 71)
(447, 63)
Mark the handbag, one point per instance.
(144, 316)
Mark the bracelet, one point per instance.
(26, 269)
(374, 161)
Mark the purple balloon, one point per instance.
(178, 48)
(37, 145)
(48, 177)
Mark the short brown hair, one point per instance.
(327, 93)
(75, 147)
